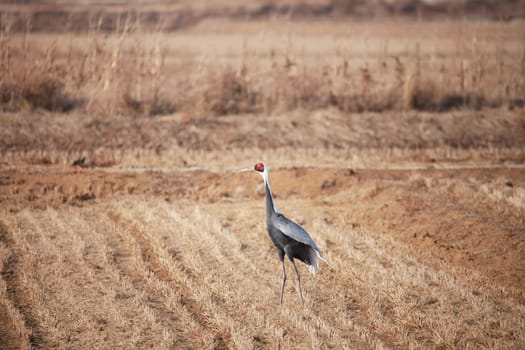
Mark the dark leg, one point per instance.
(284, 281)
(298, 281)
(281, 257)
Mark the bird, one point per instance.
(290, 239)
(80, 162)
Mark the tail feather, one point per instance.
(311, 261)
(313, 266)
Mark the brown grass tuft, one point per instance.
(228, 92)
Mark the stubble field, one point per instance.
(157, 241)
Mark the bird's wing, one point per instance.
(292, 230)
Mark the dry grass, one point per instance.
(133, 71)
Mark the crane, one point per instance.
(289, 238)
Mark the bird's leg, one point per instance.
(284, 280)
(298, 282)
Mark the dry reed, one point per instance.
(131, 71)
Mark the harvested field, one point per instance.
(155, 240)
(181, 259)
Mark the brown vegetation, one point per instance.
(359, 68)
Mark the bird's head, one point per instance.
(259, 168)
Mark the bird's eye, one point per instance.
(259, 167)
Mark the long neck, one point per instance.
(270, 206)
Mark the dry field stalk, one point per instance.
(215, 69)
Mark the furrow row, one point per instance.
(163, 274)
(129, 300)
(34, 265)
(13, 331)
(96, 315)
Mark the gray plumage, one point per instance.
(290, 239)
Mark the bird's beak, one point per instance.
(245, 170)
